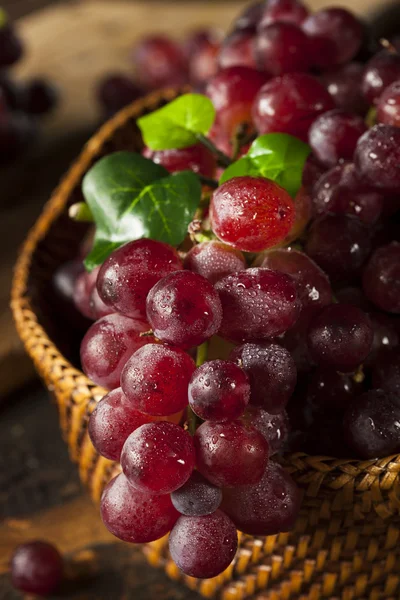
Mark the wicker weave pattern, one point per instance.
(346, 541)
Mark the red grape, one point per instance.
(129, 273)
(83, 287)
(159, 62)
(354, 296)
(39, 97)
(106, 347)
(197, 497)
(340, 337)
(274, 428)
(344, 85)
(271, 371)
(386, 337)
(283, 11)
(184, 309)
(115, 91)
(11, 47)
(266, 508)
(202, 48)
(238, 49)
(250, 16)
(324, 188)
(219, 391)
(312, 172)
(372, 424)
(251, 213)
(111, 423)
(158, 458)
(96, 305)
(232, 92)
(339, 26)
(379, 72)
(257, 304)
(36, 568)
(65, 277)
(339, 244)
(134, 516)
(17, 132)
(386, 372)
(377, 158)
(330, 391)
(381, 278)
(303, 213)
(313, 287)
(333, 136)
(195, 158)
(214, 260)
(230, 454)
(282, 48)
(203, 547)
(388, 109)
(289, 104)
(155, 379)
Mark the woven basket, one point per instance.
(346, 541)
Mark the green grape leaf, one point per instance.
(177, 124)
(276, 156)
(131, 197)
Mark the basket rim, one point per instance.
(332, 473)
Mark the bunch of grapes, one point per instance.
(304, 290)
(21, 104)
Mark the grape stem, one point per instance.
(222, 158)
(212, 183)
(201, 357)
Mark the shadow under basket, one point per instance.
(346, 541)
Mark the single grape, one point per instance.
(377, 157)
(11, 90)
(134, 516)
(386, 372)
(106, 347)
(65, 277)
(323, 52)
(372, 424)
(203, 547)
(97, 308)
(219, 391)
(232, 92)
(202, 49)
(39, 97)
(295, 341)
(18, 131)
(274, 428)
(250, 16)
(282, 48)
(184, 309)
(386, 337)
(36, 568)
(303, 213)
(11, 46)
(197, 497)
(379, 72)
(269, 507)
(283, 11)
(340, 27)
(251, 213)
(381, 278)
(340, 337)
(83, 287)
(324, 189)
(111, 423)
(129, 273)
(115, 91)
(214, 260)
(333, 136)
(257, 304)
(330, 391)
(159, 62)
(158, 458)
(313, 287)
(238, 50)
(344, 85)
(388, 106)
(339, 244)
(359, 200)
(155, 379)
(271, 371)
(196, 158)
(230, 454)
(289, 104)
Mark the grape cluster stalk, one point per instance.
(303, 288)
